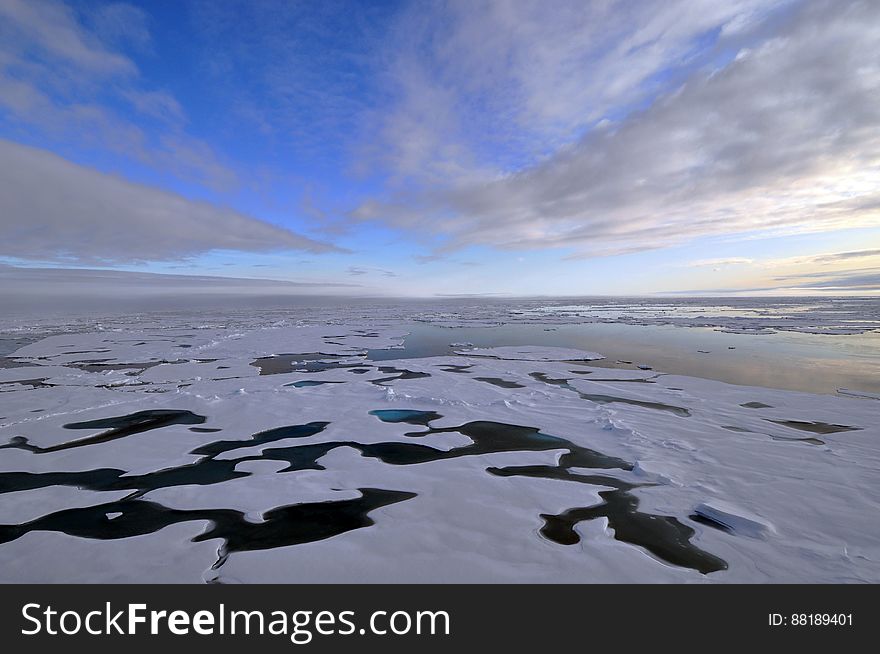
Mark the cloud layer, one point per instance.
(778, 132)
(55, 210)
(42, 291)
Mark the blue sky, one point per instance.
(425, 149)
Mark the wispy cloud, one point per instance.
(824, 271)
(86, 276)
(281, 67)
(782, 138)
(64, 73)
(718, 263)
(423, 259)
(76, 289)
(488, 86)
(851, 281)
(55, 210)
(824, 259)
(861, 282)
(357, 271)
(846, 256)
(52, 28)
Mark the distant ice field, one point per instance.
(817, 345)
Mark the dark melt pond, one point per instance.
(664, 536)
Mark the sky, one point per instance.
(519, 147)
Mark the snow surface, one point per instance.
(788, 505)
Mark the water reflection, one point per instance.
(812, 363)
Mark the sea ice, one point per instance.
(458, 483)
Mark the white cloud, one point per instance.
(39, 291)
(157, 104)
(728, 261)
(483, 87)
(783, 139)
(59, 68)
(62, 280)
(52, 28)
(55, 210)
(823, 259)
(357, 271)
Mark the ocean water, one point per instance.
(814, 363)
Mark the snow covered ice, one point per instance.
(245, 449)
